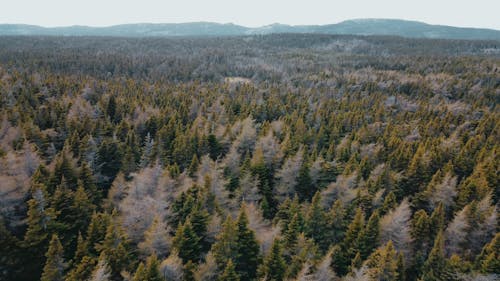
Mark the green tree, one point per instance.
(317, 224)
(304, 187)
(436, 266)
(148, 271)
(274, 266)
(383, 264)
(225, 246)
(488, 261)
(368, 238)
(247, 257)
(187, 243)
(229, 273)
(117, 250)
(54, 266)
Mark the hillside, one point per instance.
(392, 27)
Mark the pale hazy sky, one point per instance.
(476, 13)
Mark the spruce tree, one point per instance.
(436, 266)
(274, 266)
(117, 250)
(304, 187)
(229, 273)
(383, 264)
(54, 265)
(226, 245)
(148, 271)
(247, 257)
(368, 239)
(187, 243)
(317, 224)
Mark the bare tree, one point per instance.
(394, 226)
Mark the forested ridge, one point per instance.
(277, 157)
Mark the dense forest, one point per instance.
(276, 157)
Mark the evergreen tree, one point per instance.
(199, 221)
(54, 266)
(82, 270)
(336, 222)
(274, 266)
(109, 160)
(436, 267)
(96, 232)
(40, 224)
(247, 257)
(317, 224)
(87, 181)
(229, 273)
(304, 187)
(117, 250)
(383, 264)
(489, 259)
(368, 238)
(226, 245)
(187, 243)
(148, 271)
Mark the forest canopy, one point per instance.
(277, 157)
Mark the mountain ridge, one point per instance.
(363, 26)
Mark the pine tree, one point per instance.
(390, 203)
(117, 251)
(148, 271)
(437, 220)
(354, 229)
(317, 224)
(109, 158)
(102, 272)
(199, 221)
(383, 264)
(193, 167)
(304, 187)
(488, 261)
(111, 109)
(188, 271)
(40, 222)
(54, 266)
(291, 233)
(82, 270)
(187, 243)
(40, 218)
(343, 254)
(226, 245)
(87, 180)
(274, 266)
(336, 222)
(436, 267)
(96, 232)
(368, 238)
(247, 257)
(81, 209)
(229, 273)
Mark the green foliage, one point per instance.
(398, 120)
(187, 243)
(229, 273)
(274, 266)
(148, 271)
(54, 266)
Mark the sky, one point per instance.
(251, 13)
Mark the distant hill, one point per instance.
(391, 27)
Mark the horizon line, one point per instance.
(241, 25)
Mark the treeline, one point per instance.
(253, 158)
